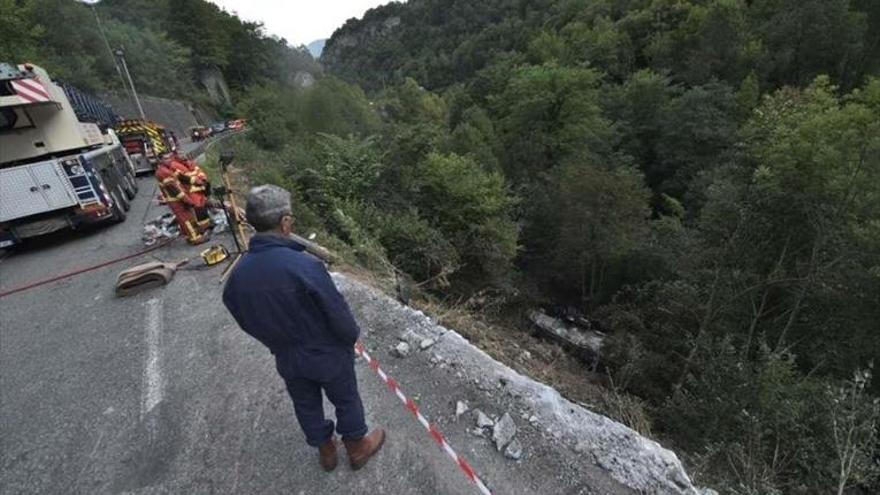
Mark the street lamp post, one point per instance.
(91, 4)
(121, 55)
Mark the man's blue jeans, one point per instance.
(342, 392)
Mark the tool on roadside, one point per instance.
(215, 254)
(146, 276)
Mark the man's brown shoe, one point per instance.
(360, 451)
(327, 454)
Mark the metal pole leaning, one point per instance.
(109, 50)
(137, 100)
(225, 159)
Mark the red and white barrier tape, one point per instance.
(414, 409)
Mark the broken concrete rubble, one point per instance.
(408, 336)
(401, 350)
(426, 343)
(483, 421)
(460, 408)
(503, 431)
(513, 450)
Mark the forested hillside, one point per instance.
(704, 176)
(701, 176)
(168, 44)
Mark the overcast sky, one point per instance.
(299, 21)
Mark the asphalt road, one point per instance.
(162, 393)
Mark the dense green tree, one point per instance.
(472, 208)
(334, 107)
(145, 50)
(817, 171)
(697, 128)
(19, 37)
(271, 115)
(640, 105)
(780, 267)
(804, 38)
(417, 248)
(475, 136)
(65, 48)
(348, 168)
(702, 41)
(599, 215)
(197, 25)
(600, 44)
(412, 104)
(549, 113)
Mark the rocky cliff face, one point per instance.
(215, 84)
(376, 30)
(368, 33)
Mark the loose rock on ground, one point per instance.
(503, 431)
(483, 421)
(401, 349)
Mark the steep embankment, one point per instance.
(563, 444)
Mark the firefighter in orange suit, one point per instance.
(196, 187)
(174, 195)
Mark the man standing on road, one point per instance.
(285, 298)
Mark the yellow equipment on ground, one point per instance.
(215, 254)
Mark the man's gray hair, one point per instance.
(266, 206)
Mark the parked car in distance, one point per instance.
(198, 133)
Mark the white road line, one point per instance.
(151, 391)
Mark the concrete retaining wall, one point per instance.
(176, 115)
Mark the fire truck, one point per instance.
(61, 164)
(145, 142)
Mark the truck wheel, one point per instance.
(131, 178)
(117, 210)
(116, 184)
(130, 187)
(123, 196)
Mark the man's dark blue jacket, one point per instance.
(285, 298)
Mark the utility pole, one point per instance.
(137, 100)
